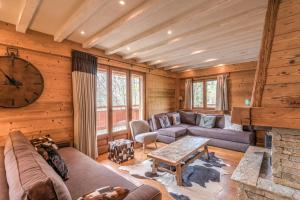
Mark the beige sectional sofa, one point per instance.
(24, 174)
(219, 137)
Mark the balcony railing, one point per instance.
(119, 121)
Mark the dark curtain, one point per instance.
(84, 71)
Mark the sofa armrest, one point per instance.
(144, 192)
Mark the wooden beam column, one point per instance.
(265, 53)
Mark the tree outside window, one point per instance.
(204, 94)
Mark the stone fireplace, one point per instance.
(286, 157)
(266, 174)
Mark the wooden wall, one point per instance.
(240, 81)
(282, 87)
(52, 113)
(161, 94)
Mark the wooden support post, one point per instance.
(265, 53)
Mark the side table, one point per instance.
(120, 150)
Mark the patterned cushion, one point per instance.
(207, 121)
(164, 121)
(231, 126)
(106, 193)
(28, 175)
(46, 147)
(176, 119)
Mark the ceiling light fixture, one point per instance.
(210, 60)
(197, 52)
(82, 32)
(170, 32)
(122, 3)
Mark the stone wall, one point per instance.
(286, 157)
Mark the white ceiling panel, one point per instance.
(166, 33)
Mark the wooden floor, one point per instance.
(230, 157)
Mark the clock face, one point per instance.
(20, 82)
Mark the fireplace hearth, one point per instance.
(258, 178)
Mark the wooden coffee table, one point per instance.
(179, 154)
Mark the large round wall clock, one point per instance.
(20, 82)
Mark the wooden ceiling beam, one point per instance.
(224, 60)
(27, 13)
(82, 14)
(212, 70)
(133, 14)
(222, 44)
(204, 7)
(250, 50)
(265, 52)
(186, 35)
(215, 64)
(205, 42)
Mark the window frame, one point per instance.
(204, 81)
(109, 69)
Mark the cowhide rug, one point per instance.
(201, 179)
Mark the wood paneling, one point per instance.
(240, 81)
(52, 113)
(265, 52)
(281, 95)
(161, 94)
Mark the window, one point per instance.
(211, 93)
(198, 94)
(137, 97)
(101, 102)
(119, 100)
(204, 94)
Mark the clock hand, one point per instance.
(12, 81)
(6, 76)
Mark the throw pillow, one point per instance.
(176, 119)
(46, 147)
(106, 193)
(164, 121)
(207, 121)
(231, 126)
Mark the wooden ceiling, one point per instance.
(174, 35)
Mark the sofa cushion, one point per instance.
(28, 175)
(155, 120)
(207, 121)
(188, 117)
(174, 131)
(183, 125)
(176, 119)
(220, 121)
(146, 137)
(170, 116)
(229, 135)
(81, 167)
(164, 121)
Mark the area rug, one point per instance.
(201, 179)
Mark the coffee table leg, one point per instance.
(206, 151)
(154, 166)
(179, 175)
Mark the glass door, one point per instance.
(120, 98)
(102, 101)
(119, 101)
(137, 96)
